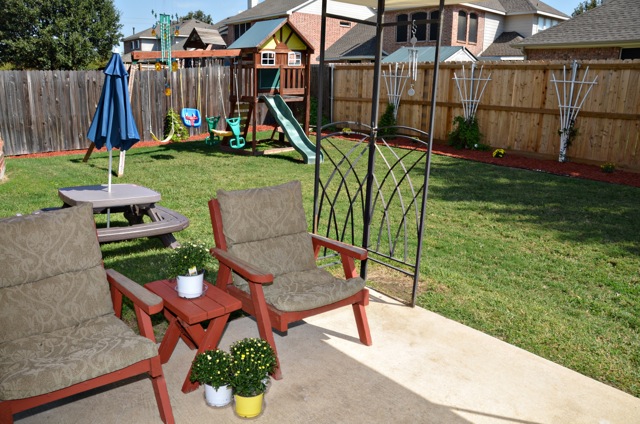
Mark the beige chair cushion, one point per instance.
(43, 363)
(267, 228)
(301, 291)
(51, 273)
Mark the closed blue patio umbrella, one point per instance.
(113, 124)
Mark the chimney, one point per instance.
(251, 3)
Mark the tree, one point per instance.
(586, 5)
(57, 34)
(198, 15)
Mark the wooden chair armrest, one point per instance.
(340, 247)
(147, 301)
(242, 268)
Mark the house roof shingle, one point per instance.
(357, 44)
(510, 7)
(501, 47)
(263, 10)
(615, 22)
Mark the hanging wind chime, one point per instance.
(413, 59)
(396, 79)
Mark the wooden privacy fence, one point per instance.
(519, 110)
(48, 111)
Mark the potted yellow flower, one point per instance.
(252, 360)
(212, 368)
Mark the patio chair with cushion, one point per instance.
(268, 260)
(60, 332)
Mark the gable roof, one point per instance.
(501, 47)
(184, 28)
(428, 54)
(264, 10)
(518, 7)
(615, 23)
(357, 44)
(261, 31)
(201, 38)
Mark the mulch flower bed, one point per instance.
(569, 169)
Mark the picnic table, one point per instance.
(134, 202)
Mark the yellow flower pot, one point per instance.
(249, 407)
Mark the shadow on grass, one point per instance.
(575, 209)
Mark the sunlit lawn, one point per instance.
(547, 263)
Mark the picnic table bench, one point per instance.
(134, 202)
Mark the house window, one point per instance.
(473, 28)
(401, 28)
(295, 58)
(421, 28)
(433, 28)
(135, 44)
(462, 26)
(345, 24)
(268, 58)
(631, 53)
(240, 29)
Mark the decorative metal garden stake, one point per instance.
(395, 81)
(471, 90)
(570, 103)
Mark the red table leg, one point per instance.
(206, 340)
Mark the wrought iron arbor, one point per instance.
(366, 184)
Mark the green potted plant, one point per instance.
(253, 359)
(187, 265)
(212, 368)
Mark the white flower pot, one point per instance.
(218, 397)
(190, 286)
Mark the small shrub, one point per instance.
(466, 133)
(607, 167)
(180, 132)
(388, 120)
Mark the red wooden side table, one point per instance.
(185, 318)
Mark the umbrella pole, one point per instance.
(109, 186)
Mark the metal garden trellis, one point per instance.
(471, 89)
(375, 193)
(395, 81)
(570, 102)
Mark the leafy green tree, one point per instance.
(586, 5)
(198, 15)
(57, 34)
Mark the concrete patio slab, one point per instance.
(421, 368)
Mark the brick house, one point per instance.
(610, 31)
(147, 41)
(486, 29)
(303, 14)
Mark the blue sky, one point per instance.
(137, 13)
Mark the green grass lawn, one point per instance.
(550, 264)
